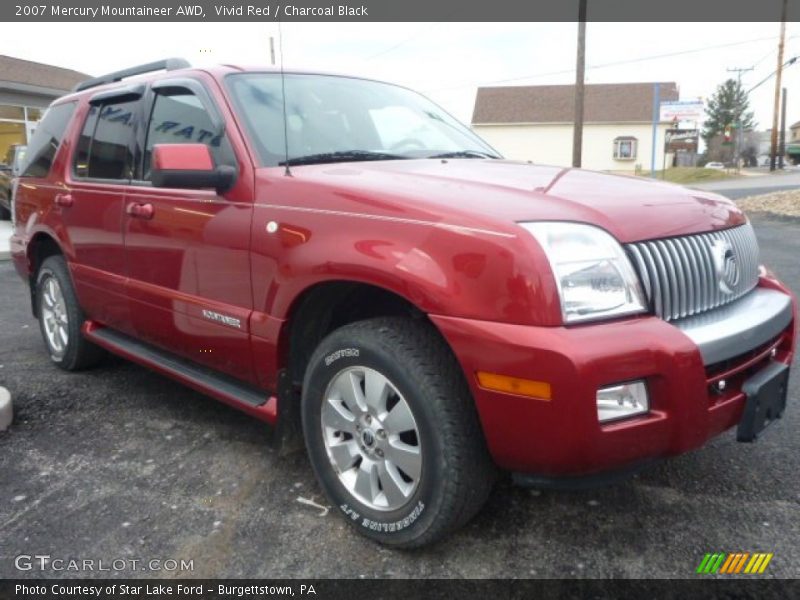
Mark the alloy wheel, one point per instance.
(371, 438)
(54, 317)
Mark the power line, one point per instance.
(613, 63)
(789, 62)
(414, 36)
(765, 57)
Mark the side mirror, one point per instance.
(189, 166)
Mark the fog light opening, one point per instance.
(622, 401)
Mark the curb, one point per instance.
(6, 412)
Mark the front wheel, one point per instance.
(392, 431)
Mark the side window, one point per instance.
(44, 144)
(105, 148)
(81, 166)
(180, 118)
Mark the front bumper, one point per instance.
(681, 364)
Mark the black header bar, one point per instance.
(398, 10)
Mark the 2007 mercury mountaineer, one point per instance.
(342, 259)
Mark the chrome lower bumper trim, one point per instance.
(740, 326)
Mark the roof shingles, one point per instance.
(32, 73)
(604, 103)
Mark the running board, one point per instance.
(233, 392)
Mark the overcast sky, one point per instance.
(446, 61)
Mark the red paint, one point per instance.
(441, 234)
(182, 157)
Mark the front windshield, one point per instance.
(341, 119)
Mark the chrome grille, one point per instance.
(678, 274)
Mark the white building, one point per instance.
(536, 123)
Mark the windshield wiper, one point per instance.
(464, 154)
(341, 156)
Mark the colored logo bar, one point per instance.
(734, 563)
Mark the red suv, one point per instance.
(342, 259)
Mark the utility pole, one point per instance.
(737, 140)
(774, 141)
(656, 120)
(580, 70)
(272, 50)
(782, 145)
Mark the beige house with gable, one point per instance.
(536, 122)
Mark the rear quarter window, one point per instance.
(46, 140)
(105, 145)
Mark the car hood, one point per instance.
(496, 192)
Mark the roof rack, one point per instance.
(169, 64)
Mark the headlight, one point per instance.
(594, 276)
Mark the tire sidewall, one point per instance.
(408, 522)
(56, 268)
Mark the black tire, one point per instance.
(5, 214)
(456, 473)
(78, 353)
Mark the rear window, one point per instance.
(46, 140)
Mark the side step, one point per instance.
(229, 390)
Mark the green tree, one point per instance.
(728, 106)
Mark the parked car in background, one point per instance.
(715, 165)
(341, 258)
(9, 171)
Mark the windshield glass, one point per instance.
(341, 119)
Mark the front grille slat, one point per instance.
(712, 278)
(703, 290)
(664, 279)
(692, 275)
(679, 276)
(654, 293)
(639, 261)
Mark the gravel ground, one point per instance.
(118, 462)
(785, 203)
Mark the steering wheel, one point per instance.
(408, 143)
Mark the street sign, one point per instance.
(684, 110)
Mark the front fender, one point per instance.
(441, 270)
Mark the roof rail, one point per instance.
(169, 64)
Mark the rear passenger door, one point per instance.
(92, 207)
(188, 253)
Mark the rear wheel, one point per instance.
(392, 432)
(61, 318)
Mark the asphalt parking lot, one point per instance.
(119, 462)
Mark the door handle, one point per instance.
(64, 200)
(141, 211)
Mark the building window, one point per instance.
(625, 148)
(17, 124)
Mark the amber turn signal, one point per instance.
(514, 385)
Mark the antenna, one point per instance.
(288, 171)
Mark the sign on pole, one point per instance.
(682, 110)
(682, 140)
